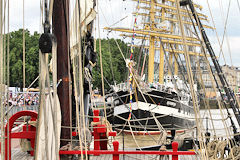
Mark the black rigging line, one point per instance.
(215, 79)
(231, 97)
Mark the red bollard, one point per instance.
(95, 132)
(116, 146)
(175, 149)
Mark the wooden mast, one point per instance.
(152, 31)
(161, 61)
(60, 21)
(151, 44)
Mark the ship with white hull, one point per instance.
(164, 98)
(151, 105)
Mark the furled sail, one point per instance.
(48, 131)
(87, 15)
(49, 119)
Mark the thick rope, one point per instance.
(190, 79)
(101, 66)
(8, 66)
(2, 89)
(80, 80)
(219, 103)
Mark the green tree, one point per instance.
(16, 58)
(117, 72)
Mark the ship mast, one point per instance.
(60, 21)
(161, 63)
(152, 47)
(151, 43)
(159, 13)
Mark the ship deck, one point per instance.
(142, 157)
(19, 155)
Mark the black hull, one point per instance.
(142, 120)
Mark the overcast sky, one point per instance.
(111, 11)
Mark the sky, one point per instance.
(111, 11)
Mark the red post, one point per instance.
(96, 116)
(175, 149)
(95, 132)
(100, 133)
(32, 141)
(115, 147)
(104, 141)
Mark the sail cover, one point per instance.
(49, 116)
(49, 138)
(87, 15)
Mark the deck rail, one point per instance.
(116, 152)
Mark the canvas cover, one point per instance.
(47, 132)
(87, 13)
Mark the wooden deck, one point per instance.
(17, 154)
(141, 157)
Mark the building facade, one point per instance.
(232, 75)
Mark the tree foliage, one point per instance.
(114, 67)
(16, 58)
(117, 72)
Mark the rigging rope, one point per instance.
(128, 109)
(200, 118)
(8, 66)
(190, 79)
(23, 32)
(238, 5)
(81, 123)
(131, 63)
(49, 120)
(156, 121)
(225, 22)
(24, 58)
(212, 76)
(109, 50)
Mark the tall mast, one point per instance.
(161, 62)
(60, 21)
(160, 13)
(151, 44)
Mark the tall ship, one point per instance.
(168, 99)
(164, 96)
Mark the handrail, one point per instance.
(175, 153)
